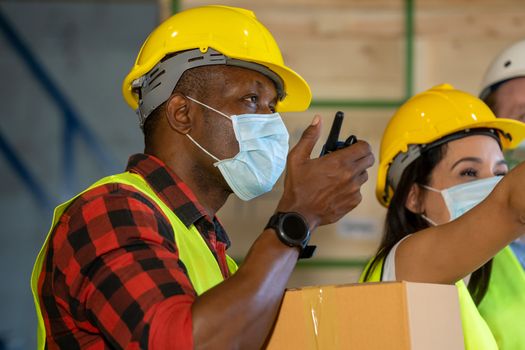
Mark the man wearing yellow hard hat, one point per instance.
(138, 260)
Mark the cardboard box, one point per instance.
(393, 315)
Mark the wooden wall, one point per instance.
(355, 49)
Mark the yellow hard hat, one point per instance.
(211, 35)
(427, 118)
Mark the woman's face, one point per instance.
(467, 159)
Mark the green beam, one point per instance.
(324, 263)
(373, 104)
(331, 264)
(175, 6)
(409, 47)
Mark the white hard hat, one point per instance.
(507, 65)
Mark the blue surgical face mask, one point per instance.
(461, 198)
(263, 147)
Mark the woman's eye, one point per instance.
(501, 171)
(469, 172)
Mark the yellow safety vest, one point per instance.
(503, 306)
(203, 270)
(476, 332)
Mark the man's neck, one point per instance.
(210, 194)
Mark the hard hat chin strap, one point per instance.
(155, 87)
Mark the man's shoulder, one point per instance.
(111, 197)
(110, 209)
(112, 203)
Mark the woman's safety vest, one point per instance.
(476, 332)
(203, 270)
(503, 306)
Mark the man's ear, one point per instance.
(177, 113)
(414, 202)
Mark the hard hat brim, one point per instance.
(297, 99)
(298, 93)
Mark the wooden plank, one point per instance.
(349, 69)
(483, 23)
(461, 63)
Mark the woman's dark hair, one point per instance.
(400, 222)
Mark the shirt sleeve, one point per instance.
(123, 275)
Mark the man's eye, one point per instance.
(252, 99)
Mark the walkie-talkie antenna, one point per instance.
(333, 137)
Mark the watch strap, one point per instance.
(307, 252)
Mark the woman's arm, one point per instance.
(449, 252)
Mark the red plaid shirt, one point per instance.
(112, 277)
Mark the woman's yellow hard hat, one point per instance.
(428, 117)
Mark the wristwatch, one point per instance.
(293, 230)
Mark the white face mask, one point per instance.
(461, 198)
(263, 148)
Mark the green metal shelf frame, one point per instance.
(323, 263)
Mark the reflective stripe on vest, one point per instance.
(503, 307)
(203, 270)
(476, 332)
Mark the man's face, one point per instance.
(510, 100)
(236, 91)
(233, 91)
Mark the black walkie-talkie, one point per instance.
(332, 142)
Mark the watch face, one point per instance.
(294, 226)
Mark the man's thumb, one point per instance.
(308, 139)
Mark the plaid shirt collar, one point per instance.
(174, 192)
